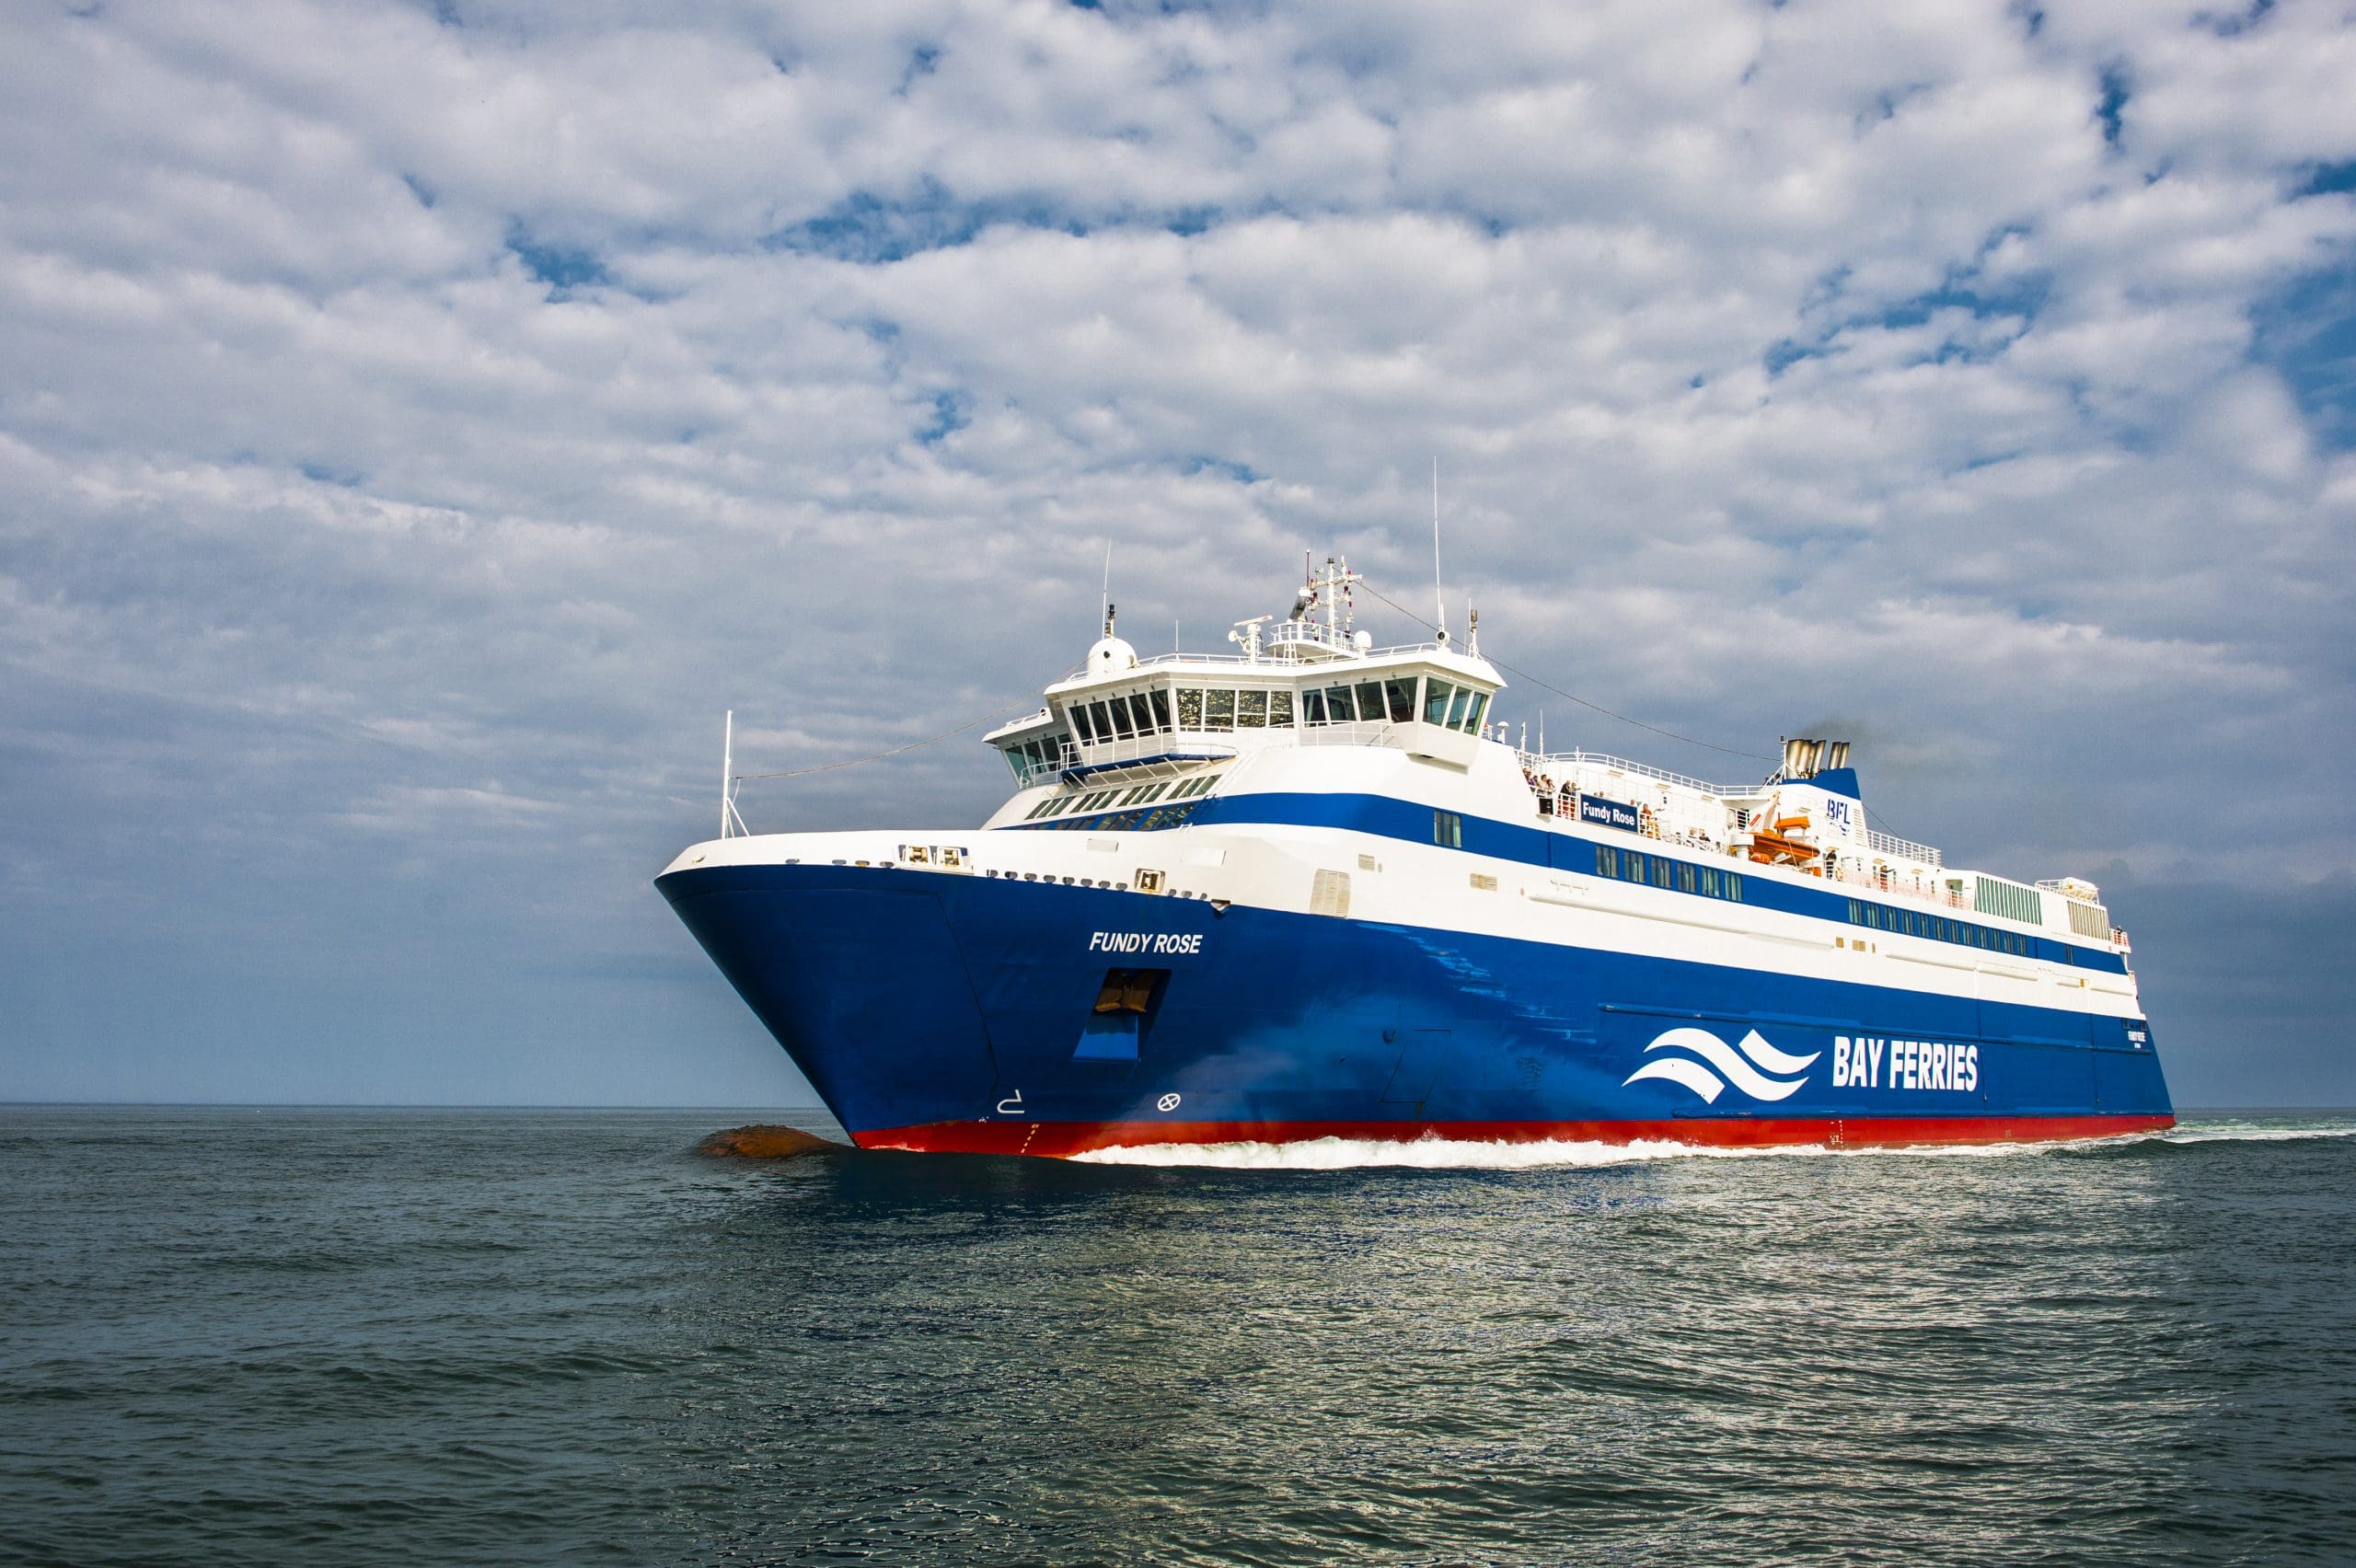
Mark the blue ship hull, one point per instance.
(958, 1012)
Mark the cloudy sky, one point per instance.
(418, 423)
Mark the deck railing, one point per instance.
(1549, 762)
(1890, 844)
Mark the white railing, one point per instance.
(1852, 874)
(1137, 748)
(1359, 732)
(1889, 844)
(1546, 762)
(1163, 661)
(1551, 763)
(1312, 632)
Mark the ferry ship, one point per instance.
(1311, 888)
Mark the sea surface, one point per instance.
(325, 1336)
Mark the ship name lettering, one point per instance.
(1858, 1063)
(1145, 941)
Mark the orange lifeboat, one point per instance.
(1776, 846)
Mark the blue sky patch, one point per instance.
(952, 412)
(2112, 105)
(559, 266)
(2308, 334)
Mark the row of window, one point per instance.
(1668, 871)
(1206, 710)
(1453, 707)
(1048, 754)
(1145, 819)
(1096, 800)
(1448, 831)
(1220, 707)
(1123, 716)
(1108, 799)
(1938, 929)
(2009, 900)
(1371, 702)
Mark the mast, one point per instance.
(1440, 600)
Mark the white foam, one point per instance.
(1452, 1154)
(1455, 1154)
(1439, 1154)
(2254, 1132)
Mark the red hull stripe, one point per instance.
(1059, 1139)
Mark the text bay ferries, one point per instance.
(1303, 891)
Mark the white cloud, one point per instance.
(1783, 362)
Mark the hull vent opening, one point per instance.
(1329, 893)
(1123, 1012)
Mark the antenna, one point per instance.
(1438, 600)
(730, 824)
(1108, 587)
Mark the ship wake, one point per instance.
(1450, 1154)
(1435, 1154)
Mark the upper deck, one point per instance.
(1121, 732)
(1300, 681)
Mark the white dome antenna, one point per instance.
(1111, 655)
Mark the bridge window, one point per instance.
(1251, 710)
(1337, 704)
(1473, 715)
(1219, 710)
(1121, 729)
(1031, 759)
(1190, 707)
(1436, 694)
(1161, 700)
(1401, 696)
(1280, 709)
(1080, 722)
(1371, 706)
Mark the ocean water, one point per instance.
(423, 1336)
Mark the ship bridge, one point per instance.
(1305, 679)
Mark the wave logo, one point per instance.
(1746, 1065)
